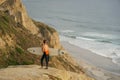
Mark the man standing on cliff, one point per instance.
(45, 50)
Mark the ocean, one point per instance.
(89, 24)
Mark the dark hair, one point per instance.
(44, 41)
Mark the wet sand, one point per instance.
(99, 67)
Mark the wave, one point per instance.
(70, 36)
(77, 37)
(99, 35)
(104, 41)
(104, 49)
(85, 37)
(116, 60)
(67, 31)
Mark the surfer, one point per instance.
(45, 50)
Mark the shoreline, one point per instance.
(96, 66)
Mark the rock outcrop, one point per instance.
(48, 33)
(17, 10)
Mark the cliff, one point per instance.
(18, 13)
(16, 9)
(14, 40)
(18, 32)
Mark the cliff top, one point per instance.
(34, 72)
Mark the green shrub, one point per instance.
(19, 50)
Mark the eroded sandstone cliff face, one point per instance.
(17, 11)
(48, 33)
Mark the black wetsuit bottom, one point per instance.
(46, 59)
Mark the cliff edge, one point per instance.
(34, 72)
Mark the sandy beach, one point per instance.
(99, 67)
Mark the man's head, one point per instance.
(44, 41)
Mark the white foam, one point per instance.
(104, 49)
(100, 35)
(85, 38)
(116, 60)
